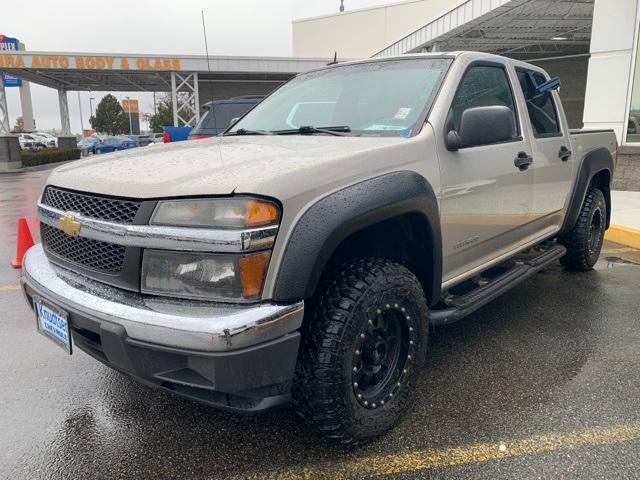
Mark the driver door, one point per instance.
(487, 201)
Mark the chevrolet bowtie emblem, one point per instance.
(69, 225)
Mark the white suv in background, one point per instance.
(31, 142)
(46, 138)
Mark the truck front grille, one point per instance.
(100, 256)
(94, 206)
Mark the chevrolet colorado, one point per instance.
(300, 258)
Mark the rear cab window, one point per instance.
(542, 109)
(219, 116)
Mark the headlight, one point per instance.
(237, 212)
(206, 276)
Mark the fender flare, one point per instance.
(332, 219)
(593, 162)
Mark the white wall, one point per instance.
(608, 80)
(361, 33)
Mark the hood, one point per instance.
(218, 166)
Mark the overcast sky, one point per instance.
(234, 27)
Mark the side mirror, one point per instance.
(482, 126)
(233, 121)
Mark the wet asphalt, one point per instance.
(558, 354)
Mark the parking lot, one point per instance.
(541, 383)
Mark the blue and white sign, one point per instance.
(9, 44)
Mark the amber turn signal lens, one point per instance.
(252, 271)
(260, 213)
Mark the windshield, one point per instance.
(387, 98)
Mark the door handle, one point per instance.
(564, 154)
(523, 160)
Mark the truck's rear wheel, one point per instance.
(362, 351)
(585, 240)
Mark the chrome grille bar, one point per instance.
(163, 237)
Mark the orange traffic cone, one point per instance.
(25, 242)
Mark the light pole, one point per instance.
(91, 99)
(129, 108)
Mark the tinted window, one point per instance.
(222, 115)
(483, 86)
(228, 111)
(207, 121)
(541, 107)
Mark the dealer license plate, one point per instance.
(53, 323)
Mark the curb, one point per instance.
(624, 235)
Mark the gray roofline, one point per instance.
(167, 55)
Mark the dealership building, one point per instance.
(592, 45)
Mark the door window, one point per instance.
(483, 86)
(541, 106)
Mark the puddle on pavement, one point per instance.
(611, 262)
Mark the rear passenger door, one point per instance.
(486, 200)
(552, 160)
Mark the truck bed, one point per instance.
(584, 141)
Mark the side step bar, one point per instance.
(462, 305)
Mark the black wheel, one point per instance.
(362, 350)
(585, 240)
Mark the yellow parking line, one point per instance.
(9, 288)
(428, 459)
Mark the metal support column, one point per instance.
(5, 128)
(10, 160)
(174, 99)
(66, 138)
(25, 102)
(196, 96)
(185, 98)
(65, 124)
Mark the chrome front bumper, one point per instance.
(181, 324)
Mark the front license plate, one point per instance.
(54, 324)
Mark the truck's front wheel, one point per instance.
(362, 351)
(585, 240)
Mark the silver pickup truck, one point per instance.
(300, 258)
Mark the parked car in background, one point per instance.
(219, 114)
(31, 142)
(112, 144)
(175, 134)
(30, 147)
(89, 144)
(156, 137)
(143, 140)
(48, 139)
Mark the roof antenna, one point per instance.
(341, 6)
(206, 49)
(335, 59)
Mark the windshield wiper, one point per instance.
(339, 130)
(244, 131)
